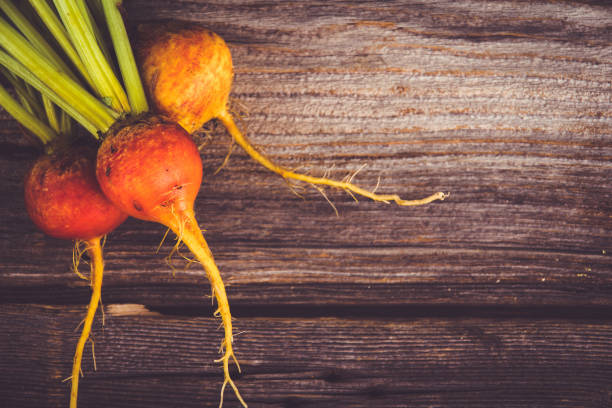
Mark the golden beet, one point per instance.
(187, 72)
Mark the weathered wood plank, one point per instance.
(334, 277)
(507, 106)
(157, 360)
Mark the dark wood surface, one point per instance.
(499, 296)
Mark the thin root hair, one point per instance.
(102, 312)
(322, 191)
(77, 255)
(176, 249)
(377, 185)
(93, 353)
(230, 150)
(179, 240)
(238, 109)
(294, 187)
(162, 240)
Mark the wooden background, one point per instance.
(500, 296)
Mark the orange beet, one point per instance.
(149, 167)
(152, 170)
(64, 200)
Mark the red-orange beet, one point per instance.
(152, 170)
(149, 167)
(64, 200)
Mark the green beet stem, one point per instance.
(25, 118)
(95, 29)
(66, 124)
(37, 41)
(51, 113)
(108, 86)
(53, 23)
(93, 118)
(29, 100)
(125, 56)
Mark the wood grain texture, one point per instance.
(150, 359)
(506, 105)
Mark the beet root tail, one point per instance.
(345, 185)
(186, 228)
(94, 249)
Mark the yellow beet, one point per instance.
(187, 72)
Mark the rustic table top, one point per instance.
(499, 296)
